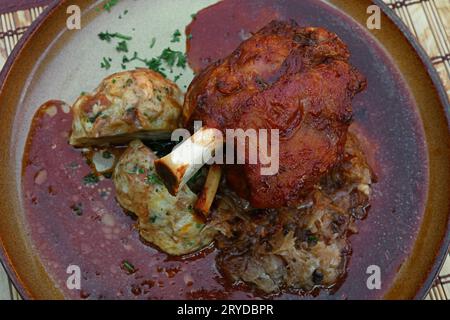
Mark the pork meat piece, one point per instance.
(297, 80)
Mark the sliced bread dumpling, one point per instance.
(166, 221)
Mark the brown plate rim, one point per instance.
(440, 256)
(32, 29)
(445, 246)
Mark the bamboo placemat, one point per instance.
(429, 21)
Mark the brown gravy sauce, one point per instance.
(74, 223)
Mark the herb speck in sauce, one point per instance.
(128, 267)
(77, 209)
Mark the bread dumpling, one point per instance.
(164, 220)
(137, 104)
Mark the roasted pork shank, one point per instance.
(297, 80)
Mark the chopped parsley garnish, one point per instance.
(172, 58)
(153, 219)
(109, 4)
(177, 77)
(132, 170)
(90, 179)
(122, 46)
(155, 64)
(152, 179)
(124, 13)
(135, 56)
(189, 37)
(106, 36)
(181, 60)
(128, 267)
(136, 170)
(152, 43)
(168, 59)
(106, 63)
(194, 16)
(176, 36)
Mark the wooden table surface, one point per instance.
(429, 20)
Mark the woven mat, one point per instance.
(429, 20)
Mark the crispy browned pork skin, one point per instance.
(297, 80)
(295, 249)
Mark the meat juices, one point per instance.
(297, 80)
